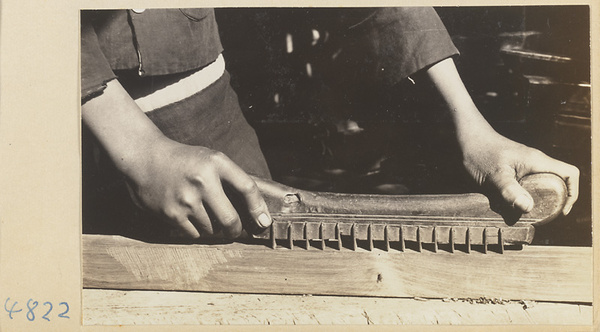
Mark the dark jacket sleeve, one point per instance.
(95, 69)
(391, 44)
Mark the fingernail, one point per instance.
(567, 210)
(264, 220)
(524, 202)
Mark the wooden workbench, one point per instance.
(116, 307)
(232, 283)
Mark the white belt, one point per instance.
(184, 88)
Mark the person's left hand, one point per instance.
(495, 161)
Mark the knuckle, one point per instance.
(199, 180)
(218, 158)
(501, 175)
(187, 199)
(170, 214)
(202, 180)
(532, 157)
(248, 187)
(507, 192)
(536, 154)
(229, 221)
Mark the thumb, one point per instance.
(511, 191)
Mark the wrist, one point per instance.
(135, 158)
(471, 128)
(126, 133)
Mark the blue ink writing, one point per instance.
(31, 306)
(30, 315)
(63, 314)
(46, 315)
(12, 309)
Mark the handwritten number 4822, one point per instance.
(31, 306)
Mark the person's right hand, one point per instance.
(184, 185)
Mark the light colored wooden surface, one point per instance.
(114, 307)
(557, 274)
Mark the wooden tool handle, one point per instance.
(549, 193)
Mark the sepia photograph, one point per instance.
(329, 165)
(378, 158)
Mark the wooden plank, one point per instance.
(562, 274)
(115, 307)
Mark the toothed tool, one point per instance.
(395, 221)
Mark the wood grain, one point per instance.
(115, 307)
(562, 274)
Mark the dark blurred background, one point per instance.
(527, 69)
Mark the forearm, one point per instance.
(122, 128)
(466, 117)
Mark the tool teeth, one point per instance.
(451, 239)
(419, 242)
(370, 237)
(290, 237)
(500, 240)
(305, 234)
(353, 235)
(273, 237)
(401, 238)
(386, 237)
(338, 236)
(435, 243)
(485, 244)
(395, 237)
(321, 237)
(468, 240)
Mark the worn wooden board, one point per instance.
(562, 274)
(116, 307)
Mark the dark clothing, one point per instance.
(153, 42)
(379, 44)
(213, 119)
(376, 49)
(386, 45)
(146, 49)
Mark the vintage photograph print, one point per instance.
(373, 165)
